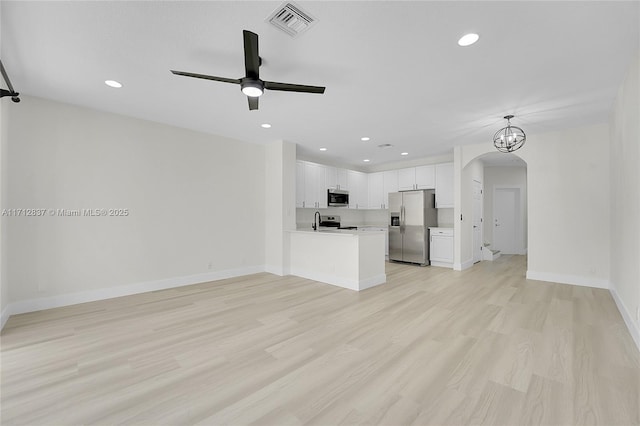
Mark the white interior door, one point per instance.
(477, 221)
(506, 206)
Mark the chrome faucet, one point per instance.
(316, 221)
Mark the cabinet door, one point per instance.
(300, 185)
(331, 177)
(314, 182)
(376, 187)
(444, 185)
(310, 185)
(407, 179)
(321, 187)
(441, 248)
(342, 179)
(358, 185)
(425, 177)
(390, 185)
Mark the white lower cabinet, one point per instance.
(386, 235)
(441, 247)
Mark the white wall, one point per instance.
(280, 207)
(196, 201)
(568, 200)
(4, 285)
(503, 176)
(625, 199)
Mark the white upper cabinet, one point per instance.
(425, 177)
(331, 177)
(422, 177)
(370, 190)
(444, 185)
(407, 179)
(380, 185)
(335, 178)
(390, 185)
(376, 188)
(358, 189)
(343, 181)
(300, 184)
(315, 191)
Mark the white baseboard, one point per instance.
(39, 304)
(373, 281)
(351, 284)
(632, 326)
(275, 270)
(464, 265)
(568, 279)
(442, 264)
(4, 316)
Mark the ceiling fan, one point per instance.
(251, 85)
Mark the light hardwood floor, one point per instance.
(430, 347)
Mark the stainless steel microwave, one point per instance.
(337, 198)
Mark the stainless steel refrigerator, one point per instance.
(410, 215)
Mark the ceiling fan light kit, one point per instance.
(250, 84)
(252, 88)
(510, 138)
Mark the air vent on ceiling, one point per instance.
(291, 19)
(385, 145)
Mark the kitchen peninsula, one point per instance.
(346, 258)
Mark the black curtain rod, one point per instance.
(14, 95)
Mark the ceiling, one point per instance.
(393, 70)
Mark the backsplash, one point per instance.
(354, 217)
(348, 217)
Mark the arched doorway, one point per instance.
(493, 208)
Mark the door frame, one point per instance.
(481, 222)
(520, 243)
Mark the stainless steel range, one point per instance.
(333, 222)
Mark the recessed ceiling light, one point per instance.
(365, 139)
(113, 83)
(323, 149)
(404, 153)
(468, 39)
(266, 125)
(366, 160)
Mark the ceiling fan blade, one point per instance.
(286, 87)
(207, 77)
(253, 102)
(251, 56)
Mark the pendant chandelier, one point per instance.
(510, 138)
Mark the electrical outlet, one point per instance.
(638, 313)
(210, 265)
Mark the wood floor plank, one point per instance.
(430, 347)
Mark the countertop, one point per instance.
(339, 232)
